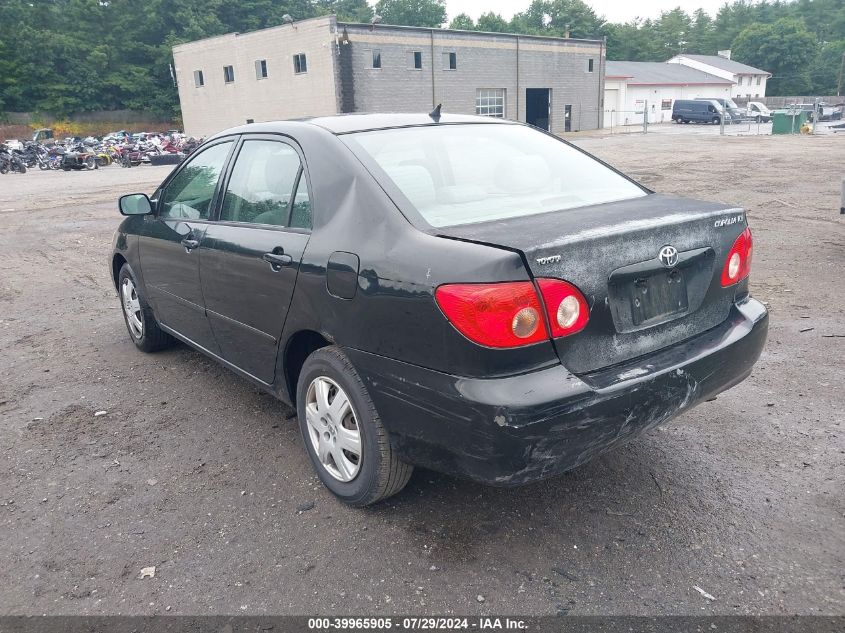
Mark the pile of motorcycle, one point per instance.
(92, 153)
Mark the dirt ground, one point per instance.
(195, 472)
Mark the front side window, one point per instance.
(261, 187)
(490, 102)
(463, 174)
(189, 194)
(299, 64)
(228, 74)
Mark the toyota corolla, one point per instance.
(460, 293)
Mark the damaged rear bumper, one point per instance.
(519, 429)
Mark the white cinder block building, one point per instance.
(748, 82)
(632, 87)
(321, 67)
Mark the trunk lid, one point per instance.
(611, 252)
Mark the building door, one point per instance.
(611, 107)
(538, 107)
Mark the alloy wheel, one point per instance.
(132, 307)
(333, 429)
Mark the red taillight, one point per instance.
(566, 306)
(738, 263)
(510, 314)
(496, 315)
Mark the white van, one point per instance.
(758, 112)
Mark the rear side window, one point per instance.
(261, 187)
(189, 194)
(462, 174)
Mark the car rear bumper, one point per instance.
(519, 429)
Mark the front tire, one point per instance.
(138, 315)
(343, 434)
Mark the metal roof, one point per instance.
(724, 63)
(656, 73)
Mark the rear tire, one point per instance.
(138, 315)
(329, 429)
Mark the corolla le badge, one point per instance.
(668, 256)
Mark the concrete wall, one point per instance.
(282, 95)
(483, 61)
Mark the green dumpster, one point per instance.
(788, 121)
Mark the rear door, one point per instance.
(171, 238)
(251, 252)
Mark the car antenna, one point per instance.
(435, 114)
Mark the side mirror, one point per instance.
(135, 204)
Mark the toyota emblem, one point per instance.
(668, 256)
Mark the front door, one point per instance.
(169, 245)
(250, 255)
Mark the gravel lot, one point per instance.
(194, 471)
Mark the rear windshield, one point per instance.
(462, 174)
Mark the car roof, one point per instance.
(347, 123)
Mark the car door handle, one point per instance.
(277, 260)
(190, 244)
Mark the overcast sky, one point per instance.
(612, 10)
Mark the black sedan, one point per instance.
(460, 293)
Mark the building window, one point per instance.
(228, 74)
(261, 69)
(739, 82)
(589, 65)
(490, 102)
(666, 104)
(377, 59)
(415, 60)
(450, 61)
(199, 81)
(299, 64)
(757, 95)
(758, 79)
(250, 121)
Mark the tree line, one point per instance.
(801, 42)
(66, 56)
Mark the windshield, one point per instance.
(462, 174)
